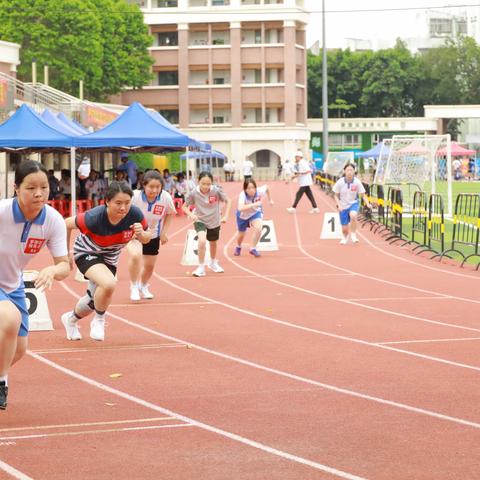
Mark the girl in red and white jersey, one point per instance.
(158, 209)
(104, 231)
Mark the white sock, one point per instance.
(134, 284)
(4, 378)
(99, 318)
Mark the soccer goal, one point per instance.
(336, 161)
(418, 162)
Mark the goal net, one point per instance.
(336, 161)
(418, 162)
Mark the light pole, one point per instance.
(324, 89)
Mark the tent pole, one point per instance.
(73, 182)
(187, 171)
(7, 163)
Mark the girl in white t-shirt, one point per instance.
(28, 224)
(158, 209)
(348, 190)
(250, 214)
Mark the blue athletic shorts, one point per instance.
(17, 297)
(345, 214)
(243, 224)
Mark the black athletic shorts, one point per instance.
(213, 234)
(84, 262)
(152, 247)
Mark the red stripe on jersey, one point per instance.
(110, 240)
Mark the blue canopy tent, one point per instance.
(25, 130)
(137, 130)
(72, 123)
(204, 155)
(57, 124)
(375, 151)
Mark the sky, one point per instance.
(341, 24)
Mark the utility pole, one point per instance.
(324, 88)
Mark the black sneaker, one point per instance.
(3, 396)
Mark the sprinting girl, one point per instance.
(348, 191)
(104, 231)
(250, 214)
(206, 218)
(158, 209)
(28, 224)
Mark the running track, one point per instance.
(314, 362)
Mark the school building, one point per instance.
(231, 72)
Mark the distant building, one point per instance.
(231, 72)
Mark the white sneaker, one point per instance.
(344, 241)
(97, 329)
(145, 292)
(134, 293)
(71, 326)
(291, 210)
(199, 271)
(354, 238)
(314, 210)
(215, 267)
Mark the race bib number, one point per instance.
(33, 245)
(158, 209)
(127, 235)
(212, 199)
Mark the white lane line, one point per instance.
(417, 264)
(90, 432)
(13, 472)
(366, 299)
(103, 349)
(203, 426)
(467, 339)
(165, 304)
(85, 424)
(188, 276)
(342, 300)
(300, 378)
(312, 330)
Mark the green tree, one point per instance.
(102, 42)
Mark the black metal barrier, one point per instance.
(466, 227)
(376, 197)
(395, 214)
(436, 222)
(419, 219)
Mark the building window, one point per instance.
(273, 35)
(441, 27)
(167, 39)
(348, 140)
(252, 75)
(197, 3)
(221, 37)
(169, 115)
(220, 3)
(461, 27)
(221, 77)
(250, 37)
(250, 2)
(140, 3)
(168, 78)
(165, 3)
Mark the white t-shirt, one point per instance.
(348, 191)
(243, 199)
(247, 168)
(154, 212)
(305, 173)
(288, 168)
(20, 240)
(84, 169)
(227, 167)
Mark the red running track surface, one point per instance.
(314, 362)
